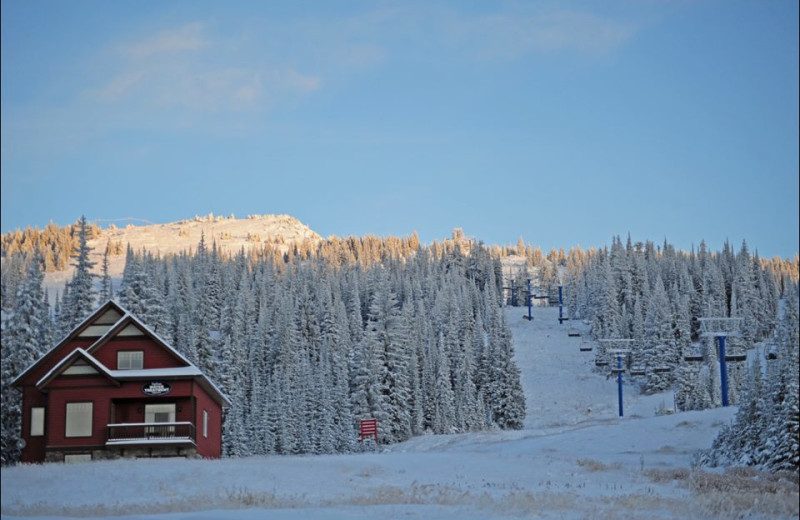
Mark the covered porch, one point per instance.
(152, 422)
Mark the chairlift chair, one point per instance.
(661, 370)
(586, 347)
(573, 333)
(637, 371)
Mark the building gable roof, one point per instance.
(129, 320)
(99, 319)
(69, 361)
(73, 334)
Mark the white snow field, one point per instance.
(575, 459)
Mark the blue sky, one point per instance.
(564, 123)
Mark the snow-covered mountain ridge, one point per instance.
(228, 233)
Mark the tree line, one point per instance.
(658, 296)
(307, 342)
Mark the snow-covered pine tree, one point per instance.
(342, 334)
(26, 336)
(82, 295)
(744, 299)
(207, 316)
(766, 429)
(607, 318)
(443, 398)
(783, 388)
(659, 345)
(233, 369)
(505, 400)
(12, 275)
(106, 284)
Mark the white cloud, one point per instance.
(298, 82)
(199, 74)
(186, 70)
(517, 33)
(119, 86)
(188, 37)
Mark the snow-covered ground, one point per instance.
(575, 459)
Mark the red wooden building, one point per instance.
(113, 388)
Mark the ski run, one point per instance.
(575, 458)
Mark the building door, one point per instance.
(159, 413)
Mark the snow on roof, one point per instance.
(226, 400)
(69, 359)
(97, 312)
(190, 370)
(156, 372)
(126, 317)
(158, 338)
(116, 375)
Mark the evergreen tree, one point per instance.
(26, 336)
(82, 294)
(659, 343)
(505, 400)
(309, 342)
(106, 286)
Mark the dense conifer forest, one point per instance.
(309, 340)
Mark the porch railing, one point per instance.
(149, 432)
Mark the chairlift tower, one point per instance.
(513, 293)
(621, 351)
(721, 329)
(561, 318)
(529, 301)
(530, 295)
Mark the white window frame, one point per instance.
(80, 367)
(79, 419)
(127, 360)
(37, 421)
(150, 411)
(75, 458)
(205, 424)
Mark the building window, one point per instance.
(130, 360)
(79, 420)
(205, 424)
(159, 413)
(37, 421)
(77, 457)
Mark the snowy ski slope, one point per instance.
(575, 459)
